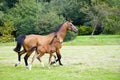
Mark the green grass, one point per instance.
(95, 40)
(86, 40)
(80, 63)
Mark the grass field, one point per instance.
(100, 61)
(95, 40)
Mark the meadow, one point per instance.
(85, 58)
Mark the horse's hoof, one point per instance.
(16, 65)
(27, 67)
(61, 64)
(30, 67)
(54, 64)
(15, 50)
(48, 67)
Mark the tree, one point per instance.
(6, 31)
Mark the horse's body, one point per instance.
(30, 41)
(33, 40)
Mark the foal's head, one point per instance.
(71, 27)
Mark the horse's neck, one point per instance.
(62, 33)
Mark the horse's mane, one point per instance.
(58, 27)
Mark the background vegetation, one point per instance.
(44, 16)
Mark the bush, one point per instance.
(85, 30)
(70, 36)
(6, 32)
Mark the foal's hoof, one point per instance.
(52, 63)
(28, 67)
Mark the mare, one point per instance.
(29, 41)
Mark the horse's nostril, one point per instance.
(76, 30)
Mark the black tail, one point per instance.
(20, 41)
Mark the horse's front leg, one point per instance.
(19, 57)
(59, 58)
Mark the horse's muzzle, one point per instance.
(76, 30)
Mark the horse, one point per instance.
(41, 50)
(29, 41)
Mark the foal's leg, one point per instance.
(49, 60)
(54, 59)
(54, 62)
(33, 58)
(39, 58)
(19, 57)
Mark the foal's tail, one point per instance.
(33, 48)
(20, 41)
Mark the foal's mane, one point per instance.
(53, 39)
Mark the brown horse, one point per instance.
(29, 41)
(41, 50)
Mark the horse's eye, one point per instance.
(70, 24)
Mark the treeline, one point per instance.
(44, 16)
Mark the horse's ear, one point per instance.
(68, 19)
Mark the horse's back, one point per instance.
(35, 40)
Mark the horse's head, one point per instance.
(71, 27)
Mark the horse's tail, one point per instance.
(20, 41)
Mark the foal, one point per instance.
(51, 48)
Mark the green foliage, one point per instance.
(85, 30)
(6, 31)
(44, 16)
(26, 26)
(70, 36)
(112, 23)
(48, 23)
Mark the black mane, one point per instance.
(58, 28)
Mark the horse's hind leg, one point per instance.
(26, 58)
(19, 57)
